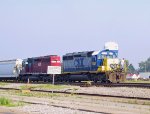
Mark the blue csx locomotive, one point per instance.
(103, 66)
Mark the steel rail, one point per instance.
(66, 107)
(87, 84)
(79, 93)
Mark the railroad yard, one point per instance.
(73, 99)
(75, 57)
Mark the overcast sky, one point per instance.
(30, 28)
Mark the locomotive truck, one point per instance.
(97, 66)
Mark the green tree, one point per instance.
(131, 69)
(144, 66)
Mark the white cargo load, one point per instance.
(111, 46)
(10, 68)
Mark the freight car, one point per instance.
(10, 69)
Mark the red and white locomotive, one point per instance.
(36, 68)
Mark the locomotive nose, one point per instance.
(113, 66)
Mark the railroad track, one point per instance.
(90, 84)
(79, 93)
(67, 107)
(139, 85)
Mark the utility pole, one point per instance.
(145, 66)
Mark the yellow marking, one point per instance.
(25, 91)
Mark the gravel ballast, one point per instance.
(45, 109)
(116, 91)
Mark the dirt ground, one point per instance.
(8, 110)
(74, 104)
(47, 103)
(117, 91)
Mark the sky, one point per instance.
(30, 28)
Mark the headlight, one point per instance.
(103, 68)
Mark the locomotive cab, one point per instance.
(99, 58)
(107, 62)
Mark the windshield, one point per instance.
(107, 54)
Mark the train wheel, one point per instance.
(122, 77)
(111, 77)
(95, 81)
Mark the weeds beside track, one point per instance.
(79, 93)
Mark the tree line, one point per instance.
(144, 66)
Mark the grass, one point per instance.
(137, 81)
(8, 102)
(44, 86)
(2, 84)
(50, 86)
(138, 102)
(132, 101)
(34, 94)
(67, 96)
(27, 86)
(37, 94)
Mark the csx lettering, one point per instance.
(78, 62)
